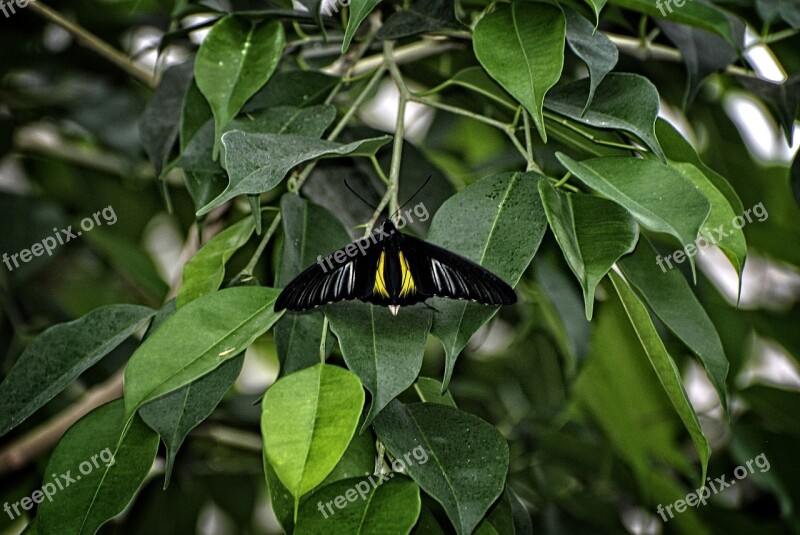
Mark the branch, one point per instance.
(93, 42)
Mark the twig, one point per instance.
(95, 43)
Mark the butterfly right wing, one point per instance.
(317, 286)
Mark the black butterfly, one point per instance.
(393, 269)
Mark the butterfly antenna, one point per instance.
(412, 197)
(354, 192)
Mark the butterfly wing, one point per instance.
(352, 279)
(439, 272)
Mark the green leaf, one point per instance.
(287, 120)
(733, 245)
(596, 50)
(203, 274)
(465, 459)
(696, 14)
(258, 162)
(159, 124)
(309, 231)
(358, 459)
(782, 99)
(430, 391)
(235, 60)
(359, 9)
(425, 16)
(593, 234)
(769, 10)
(676, 148)
(307, 421)
(174, 415)
(658, 196)
(626, 102)
(597, 6)
(497, 222)
(197, 339)
(522, 47)
(664, 366)
(292, 88)
(281, 500)
(670, 297)
(383, 350)
(106, 472)
(60, 354)
(365, 508)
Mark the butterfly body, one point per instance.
(392, 269)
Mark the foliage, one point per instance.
(581, 151)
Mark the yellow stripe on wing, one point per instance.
(380, 283)
(407, 287)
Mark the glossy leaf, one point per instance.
(258, 162)
(522, 47)
(696, 14)
(307, 421)
(656, 195)
(198, 339)
(359, 9)
(60, 354)
(596, 50)
(497, 222)
(296, 88)
(670, 297)
(203, 274)
(235, 60)
(467, 458)
(174, 415)
(626, 102)
(383, 350)
(430, 391)
(593, 234)
(106, 472)
(664, 366)
(394, 503)
(718, 228)
(298, 336)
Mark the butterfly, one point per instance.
(393, 269)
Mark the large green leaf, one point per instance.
(696, 14)
(106, 473)
(359, 9)
(718, 229)
(465, 459)
(258, 162)
(365, 507)
(196, 340)
(309, 231)
(174, 415)
(664, 366)
(677, 149)
(596, 50)
(672, 300)
(203, 274)
(60, 354)
(307, 421)
(593, 234)
(522, 47)
(497, 222)
(383, 350)
(657, 195)
(235, 60)
(292, 88)
(626, 102)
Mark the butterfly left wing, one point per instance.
(438, 272)
(317, 286)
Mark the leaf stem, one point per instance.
(529, 142)
(399, 127)
(96, 44)
(322, 343)
(248, 269)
